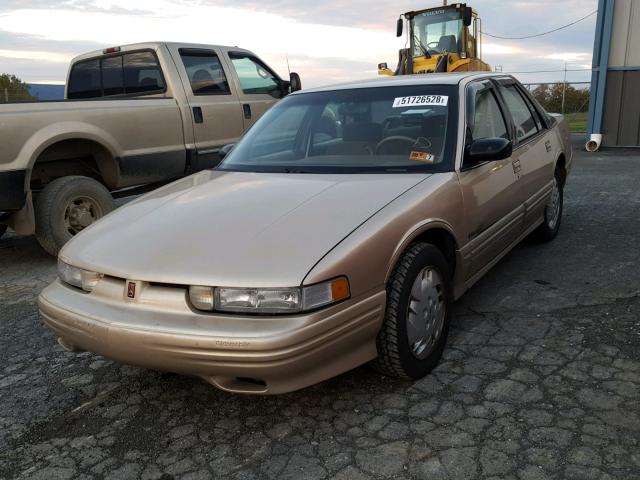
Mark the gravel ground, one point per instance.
(541, 379)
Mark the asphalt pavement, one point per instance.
(540, 379)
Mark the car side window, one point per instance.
(205, 72)
(255, 77)
(488, 121)
(523, 120)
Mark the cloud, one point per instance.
(326, 41)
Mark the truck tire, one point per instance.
(418, 313)
(66, 206)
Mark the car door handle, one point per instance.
(197, 115)
(246, 108)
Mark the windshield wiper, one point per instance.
(422, 47)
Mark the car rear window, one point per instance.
(135, 73)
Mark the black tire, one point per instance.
(51, 209)
(3, 229)
(548, 230)
(395, 356)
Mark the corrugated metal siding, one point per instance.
(626, 35)
(621, 122)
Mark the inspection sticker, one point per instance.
(420, 100)
(418, 156)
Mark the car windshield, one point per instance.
(368, 130)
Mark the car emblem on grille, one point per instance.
(131, 289)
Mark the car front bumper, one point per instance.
(247, 354)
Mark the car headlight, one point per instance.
(78, 277)
(269, 300)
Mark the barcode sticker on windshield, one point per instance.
(421, 100)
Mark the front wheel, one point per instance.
(66, 206)
(552, 212)
(418, 314)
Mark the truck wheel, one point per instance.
(66, 206)
(416, 324)
(552, 212)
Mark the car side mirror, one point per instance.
(399, 27)
(226, 150)
(487, 150)
(295, 82)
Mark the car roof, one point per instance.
(407, 80)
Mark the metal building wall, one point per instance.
(615, 105)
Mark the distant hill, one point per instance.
(46, 92)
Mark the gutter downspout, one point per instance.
(600, 67)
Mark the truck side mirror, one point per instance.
(295, 82)
(467, 16)
(399, 27)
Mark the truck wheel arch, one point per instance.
(73, 155)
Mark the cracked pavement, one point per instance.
(540, 379)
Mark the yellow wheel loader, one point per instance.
(440, 39)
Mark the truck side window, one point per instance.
(84, 81)
(205, 72)
(255, 77)
(142, 73)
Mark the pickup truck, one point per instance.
(133, 116)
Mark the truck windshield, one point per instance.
(437, 31)
(367, 130)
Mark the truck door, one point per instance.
(216, 113)
(258, 86)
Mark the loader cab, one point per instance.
(441, 39)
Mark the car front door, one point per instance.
(258, 86)
(532, 150)
(215, 109)
(490, 189)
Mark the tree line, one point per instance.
(550, 97)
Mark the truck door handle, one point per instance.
(246, 108)
(197, 115)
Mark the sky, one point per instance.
(326, 41)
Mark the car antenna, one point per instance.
(286, 55)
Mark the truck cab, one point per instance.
(134, 117)
(441, 39)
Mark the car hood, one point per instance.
(233, 228)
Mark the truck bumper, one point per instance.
(243, 354)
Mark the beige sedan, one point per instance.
(337, 232)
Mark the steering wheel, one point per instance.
(262, 72)
(433, 46)
(397, 139)
(520, 133)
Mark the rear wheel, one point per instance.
(66, 206)
(416, 324)
(552, 212)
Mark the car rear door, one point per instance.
(259, 87)
(216, 113)
(493, 212)
(532, 151)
